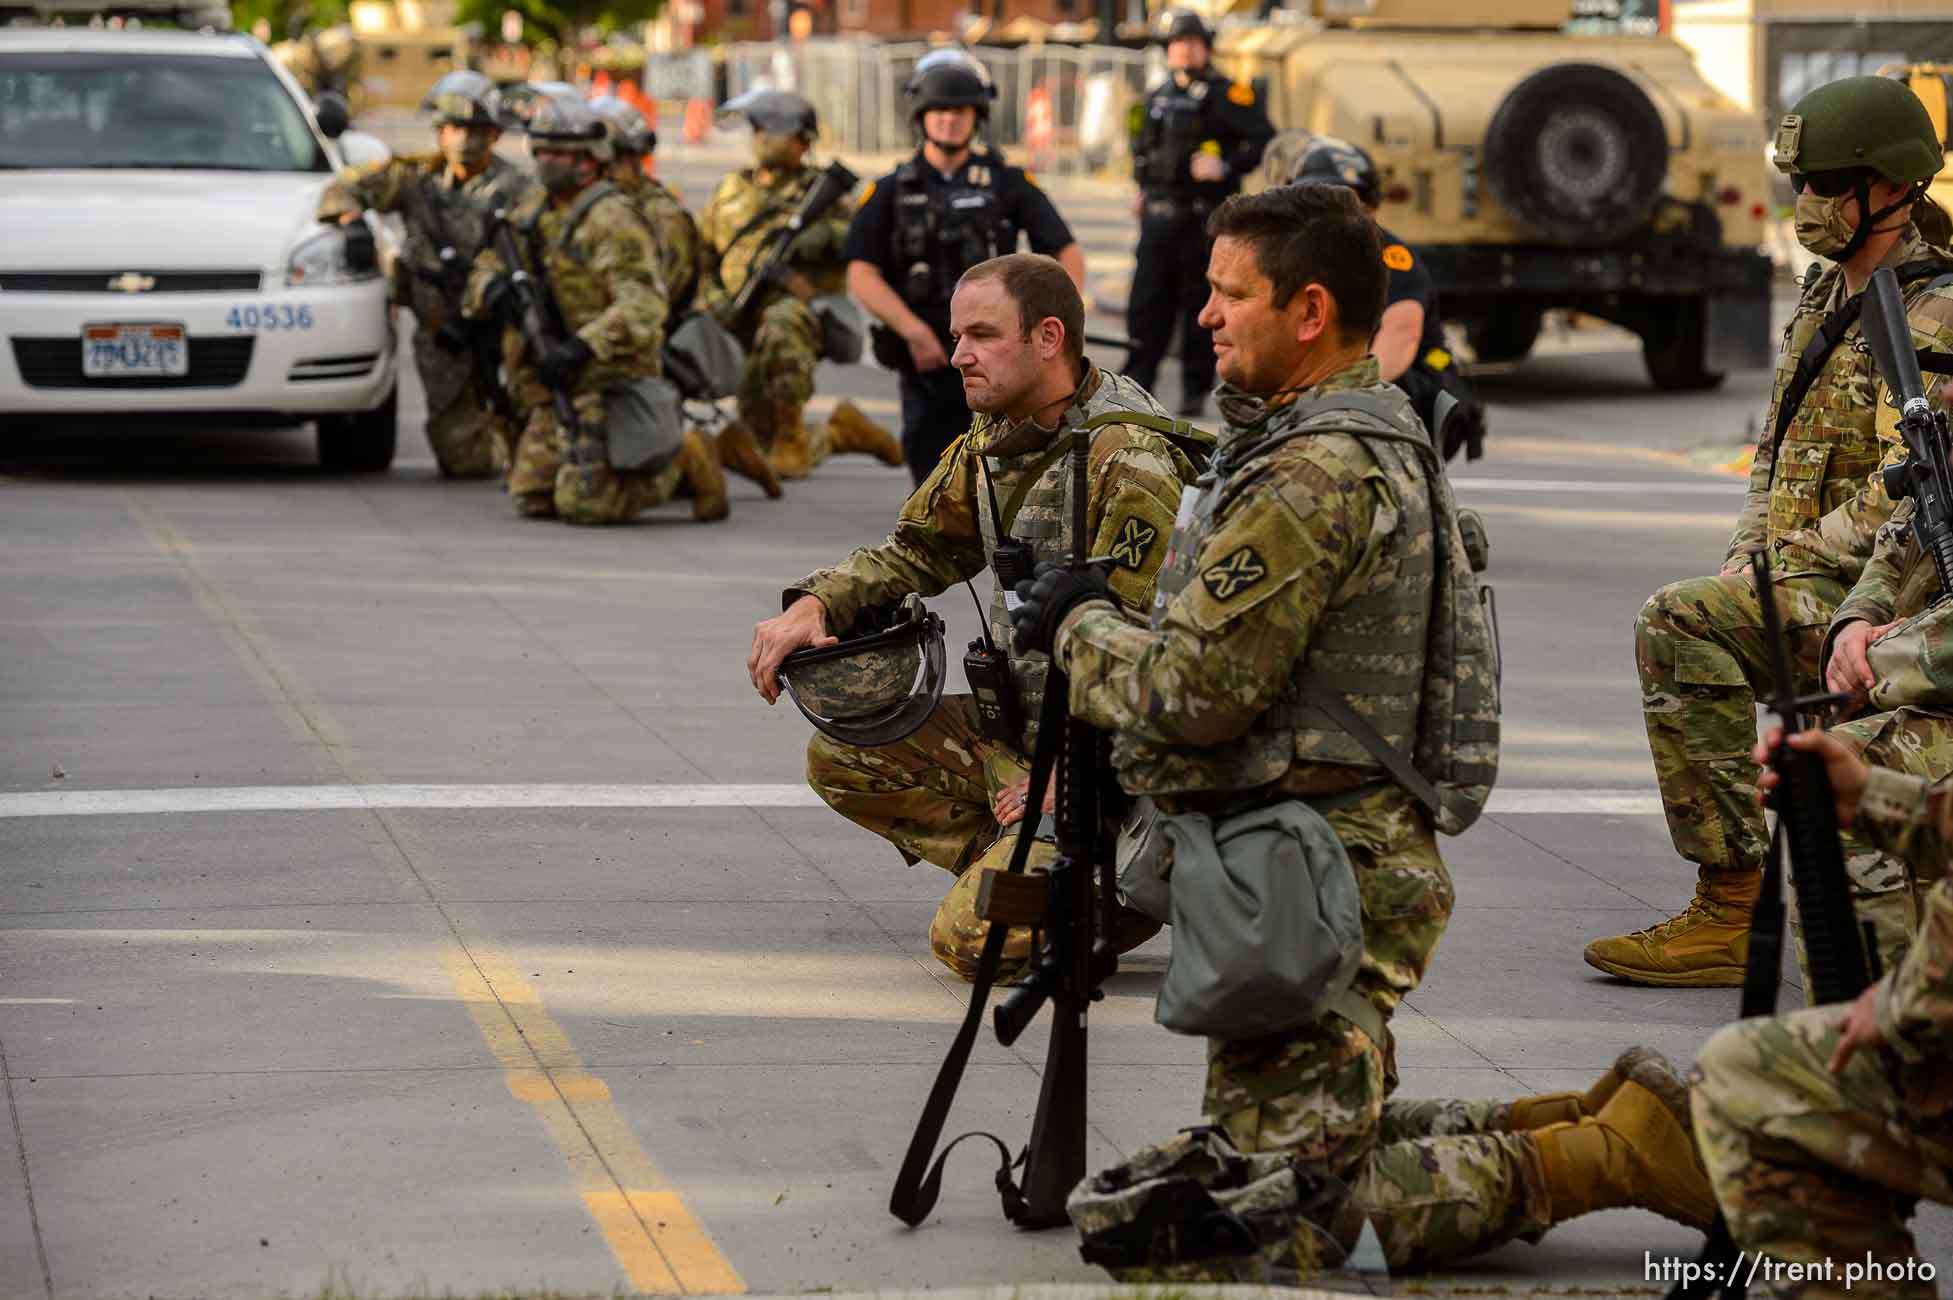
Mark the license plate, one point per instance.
(116, 350)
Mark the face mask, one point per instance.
(558, 175)
(773, 152)
(1821, 224)
(468, 152)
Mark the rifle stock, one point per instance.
(536, 319)
(1924, 475)
(834, 183)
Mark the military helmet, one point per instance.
(464, 98)
(950, 78)
(629, 132)
(1331, 161)
(777, 112)
(1178, 23)
(1868, 122)
(568, 125)
(879, 683)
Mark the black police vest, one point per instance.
(1172, 129)
(939, 236)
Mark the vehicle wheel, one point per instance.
(1675, 349)
(1509, 336)
(360, 443)
(1577, 151)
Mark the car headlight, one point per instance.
(334, 255)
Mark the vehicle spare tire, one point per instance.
(1578, 152)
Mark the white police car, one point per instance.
(159, 255)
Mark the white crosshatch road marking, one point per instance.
(1544, 801)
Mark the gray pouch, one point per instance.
(842, 327)
(1140, 855)
(1267, 924)
(703, 359)
(643, 425)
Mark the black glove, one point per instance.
(451, 338)
(559, 362)
(498, 298)
(1047, 598)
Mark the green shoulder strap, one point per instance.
(1196, 442)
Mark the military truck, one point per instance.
(1933, 83)
(1536, 168)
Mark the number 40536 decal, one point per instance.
(271, 316)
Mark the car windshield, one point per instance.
(168, 111)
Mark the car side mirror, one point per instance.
(362, 252)
(332, 113)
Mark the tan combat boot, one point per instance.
(740, 453)
(849, 430)
(1644, 1065)
(791, 452)
(699, 467)
(1703, 948)
(1638, 1151)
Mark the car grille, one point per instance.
(346, 367)
(56, 363)
(98, 281)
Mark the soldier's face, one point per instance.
(1258, 346)
(950, 127)
(778, 152)
(466, 146)
(1188, 54)
(1000, 367)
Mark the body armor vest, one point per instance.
(1034, 496)
(441, 214)
(939, 237)
(1169, 133)
(546, 238)
(1369, 644)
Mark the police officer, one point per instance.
(1193, 139)
(1409, 346)
(924, 224)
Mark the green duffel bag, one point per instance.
(644, 425)
(1267, 925)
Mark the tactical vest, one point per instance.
(1034, 497)
(939, 237)
(441, 214)
(758, 211)
(1377, 660)
(1170, 130)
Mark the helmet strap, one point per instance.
(1868, 221)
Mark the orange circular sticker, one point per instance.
(1240, 92)
(1397, 257)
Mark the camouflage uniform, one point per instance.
(607, 287)
(1809, 1166)
(469, 438)
(781, 337)
(930, 795)
(674, 234)
(1816, 504)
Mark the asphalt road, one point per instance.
(399, 897)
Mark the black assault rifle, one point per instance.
(1074, 959)
(536, 318)
(1842, 958)
(769, 265)
(1923, 475)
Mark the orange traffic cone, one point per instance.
(600, 84)
(698, 120)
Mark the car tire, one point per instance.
(361, 442)
(1676, 350)
(1578, 152)
(1509, 336)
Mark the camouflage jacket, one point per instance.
(1134, 477)
(1818, 501)
(1910, 818)
(605, 282)
(1300, 532)
(736, 221)
(674, 233)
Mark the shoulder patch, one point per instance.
(866, 194)
(1029, 179)
(1239, 572)
(1397, 257)
(1240, 92)
(1135, 540)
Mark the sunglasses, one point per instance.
(1826, 185)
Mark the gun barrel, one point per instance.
(1015, 1012)
(1889, 335)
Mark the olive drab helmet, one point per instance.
(879, 683)
(629, 132)
(1330, 161)
(465, 98)
(1861, 125)
(567, 124)
(777, 112)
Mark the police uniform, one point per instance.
(1210, 115)
(922, 230)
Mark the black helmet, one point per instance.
(464, 98)
(1331, 161)
(879, 683)
(950, 78)
(629, 132)
(777, 112)
(1178, 23)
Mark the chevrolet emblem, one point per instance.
(132, 282)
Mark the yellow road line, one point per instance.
(659, 1243)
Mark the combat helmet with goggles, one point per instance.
(465, 98)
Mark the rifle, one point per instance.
(536, 318)
(770, 263)
(455, 334)
(1075, 959)
(1843, 960)
(1923, 475)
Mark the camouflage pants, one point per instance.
(1809, 1166)
(1437, 1179)
(543, 481)
(779, 378)
(469, 440)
